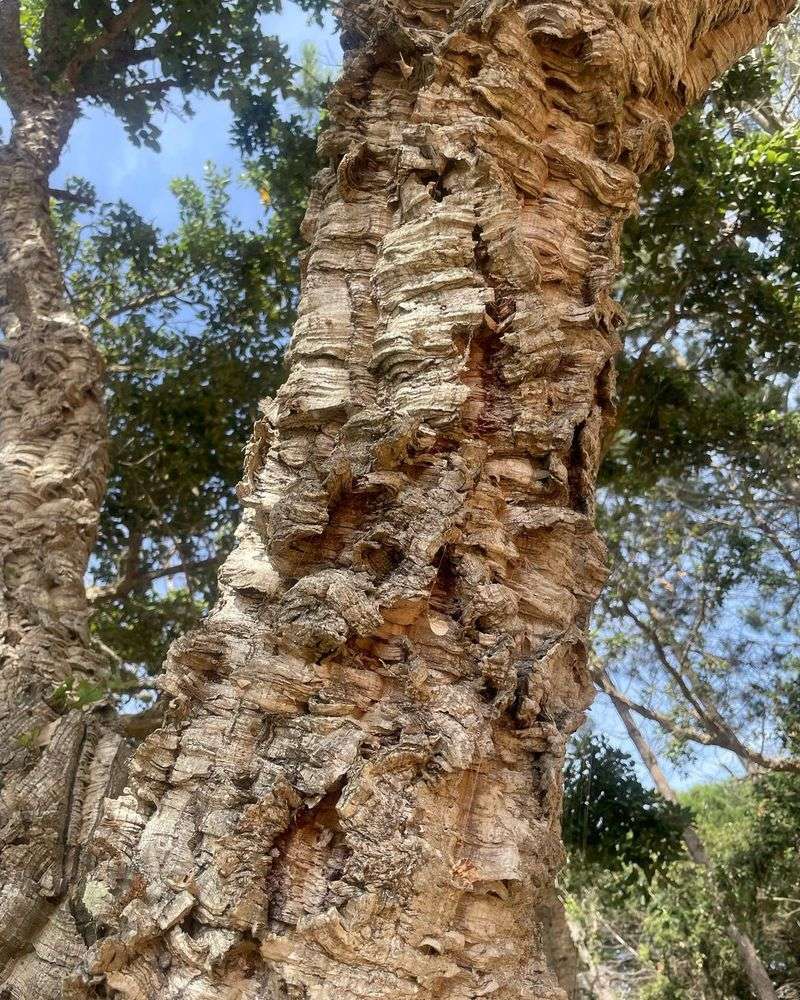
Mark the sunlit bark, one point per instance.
(357, 788)
(52, 478)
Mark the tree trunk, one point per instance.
(357, 788)
(52, 430)
(559, 945)
(52, 479)
(757, 976)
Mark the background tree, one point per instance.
(698, 627)
(699, 623)
(609, 815)
(192, 326)
(56, 58)
(648, 927)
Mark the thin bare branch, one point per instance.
(140, 302)
(60, 194)
(722, 739)
(668, 665)
(137, 580)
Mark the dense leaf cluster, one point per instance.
(712, 285)
(132, 55)
(609, 816)
(657, 922)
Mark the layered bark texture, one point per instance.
(52, 477)
(357, 790)
(52, 435)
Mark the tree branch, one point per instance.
(115, 28)
(673, 672)
(662, 331)
(153, 88)
(716, 739)
(748, 502)
(133, 581)
(136, 57)
(140, 726)
(604, 682)
(141, 302)
(60, 194)
(15, 67)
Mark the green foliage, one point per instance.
(711, 280)
(28, 739)
(674, 918)
(609, 817)
(620, 838)
(192, 324)
(684, 937)
(78, 693)
(140, 626)
(131, 56)
(787, 704)
(31, 13)
(750, 829)
(702, 480)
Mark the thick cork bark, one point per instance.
(52, 479)
(357, 790)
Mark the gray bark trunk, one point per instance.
(52, 431)
(357, 788)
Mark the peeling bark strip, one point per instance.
(356, 793)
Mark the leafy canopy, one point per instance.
(609, 816)
(131, 55)
(192, 324)
(659, 930)
(712, 286)
(702, 481)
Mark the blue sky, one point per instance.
(99, 151)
